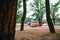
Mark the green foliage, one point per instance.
(18, 16)
(39, 9)
(28, 19)
(19, 4)
(19, 12)
(57, 21)
(54, 9)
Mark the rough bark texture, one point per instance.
(7, 19)
(50, 24)
(24, 15)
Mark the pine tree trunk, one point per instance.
(53, 18)
(24, 15)
(7, 19)
(50, 24)
(54, 21)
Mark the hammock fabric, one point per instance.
(35, 25)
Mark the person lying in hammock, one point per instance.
(35, 25)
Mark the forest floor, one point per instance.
(41, 33)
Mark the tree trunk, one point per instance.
(7, 19)
(40, 11)
(54, 21)
(39, 19)
(50, 24)
(24, 15)
(53, 17)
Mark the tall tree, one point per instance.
(50, 24)
(54, 9)
(7, 19)
(39, 9)
(24, 15)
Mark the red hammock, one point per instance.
(35, 25)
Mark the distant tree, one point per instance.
(19, 12)
(50, 24)
(7, 19)
(54, 9)
(24, 15)
(58, 21)
(39, 9)
(28, 19)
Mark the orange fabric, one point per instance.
(36, 25)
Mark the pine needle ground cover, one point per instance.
(37, 34)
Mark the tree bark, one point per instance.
(50, 24)
(7, 19)
(24, 15)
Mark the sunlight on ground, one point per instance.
(38, 33)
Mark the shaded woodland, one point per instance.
(8, 11)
